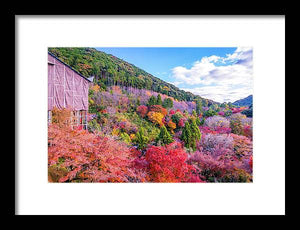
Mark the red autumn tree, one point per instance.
(142, 110)
(168, 164)
(87, 157)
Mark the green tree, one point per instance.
(198, 121)
(152, 101)
(138, 102)
(141, 140)
(195, 131)
(176, 117)
(199, 109)
(227, 112)
(125, 137)
(210, 113)
(167, 103)
(159, 101)
(164, 136)
(186, 135)
(194, 114)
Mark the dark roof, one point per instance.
(69, 66)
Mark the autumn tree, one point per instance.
(172, 126)
(142, 110)
(155, 117)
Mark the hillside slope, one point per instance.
(247, 101)
(110, 70)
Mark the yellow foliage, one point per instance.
(95, 88)
(132, 136)
(91, 101)
(115, 132)
(166, 88)
(155, 117)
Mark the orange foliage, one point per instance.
(172, 125)
(158, 109)
(62, 117)
(95, 88)
(116, 89)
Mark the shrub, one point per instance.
(218, 169)
(168, 164)
(88, 157)
(61, 117)
(171, 125)
(125, 137)
(209, 113)
(181, 122)
(227, 112)
(236, 123)
(93, 126)
(216, 122)
(216, 144)
(176, 117)
(142, 110)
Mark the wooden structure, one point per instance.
(67, 88)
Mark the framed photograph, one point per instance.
(170, 111)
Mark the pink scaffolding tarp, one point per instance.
(66, 88)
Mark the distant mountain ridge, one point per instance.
(109, 70)
(247, 101)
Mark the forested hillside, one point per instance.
(247, 101)
(112, 71)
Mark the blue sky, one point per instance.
(220, 74)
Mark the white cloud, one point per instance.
(218, 78)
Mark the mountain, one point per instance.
(247, 101)
(109, 70)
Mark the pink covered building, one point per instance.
(67, 89)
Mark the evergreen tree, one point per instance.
(186, 135)
(152, 101)
(199, 109)
(195, 130)
(167, 103)
(141, 140)
(164, 136)
(194, 113)
(158, 101)
(198, 122)
(138, 102)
